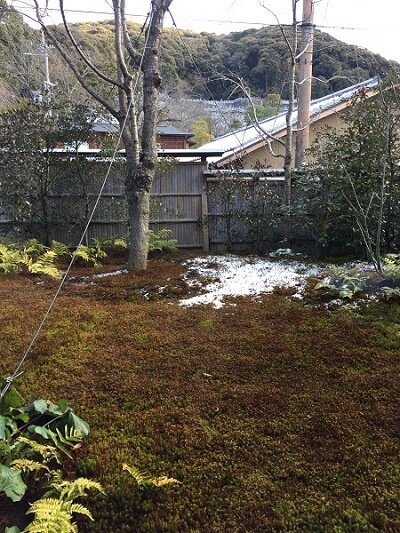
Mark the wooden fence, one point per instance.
(199, 207)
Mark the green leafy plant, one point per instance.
(31, 256)
(392, 266)
(343, 283)
(39, 259)
(161, 241)
(54, 512)
(390, 293)
(350, 199)
(103, 243)
(90, 254)
(32, 435)
(145, 480)
(121, 241)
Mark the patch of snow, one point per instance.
(106, 274)
(232, 275)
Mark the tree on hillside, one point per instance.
(131, 62)
(18, 67)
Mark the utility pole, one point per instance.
(304, 82)
(47, 85)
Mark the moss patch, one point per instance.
(274, 415)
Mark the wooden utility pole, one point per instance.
(304, 81)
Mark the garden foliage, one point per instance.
(350, 200)
(34, 435)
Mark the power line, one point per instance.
(17, 372)
(208, 20)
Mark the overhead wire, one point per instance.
(215, 102)
(17, 372)
(205, 20)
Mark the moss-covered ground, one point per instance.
(275, 415)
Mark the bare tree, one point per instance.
(141, 151)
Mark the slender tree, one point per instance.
(131, 63)
(354, 178)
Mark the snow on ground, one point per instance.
(232, 275)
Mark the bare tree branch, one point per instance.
(79, 50)
(53, 39)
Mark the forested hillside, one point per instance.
(193, 65)
(259, 57)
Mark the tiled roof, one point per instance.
(170, 130)
(112, 127)
(249, 135)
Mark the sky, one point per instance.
(365, 23)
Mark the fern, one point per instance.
(146, 481)
(44, 264)
(60, 249)
(28, 465)
(35, 257)
(92, 255)
(47, 453)
(51, 516)
(391, 294)
(164, 480)
(10, 259)
(156, 241)
(392, 266)
(121, 241)
(33, 248)
(142, 479)
(102, 243)
(161, 241)
(72, 438)
(54, 512)
(70, 490)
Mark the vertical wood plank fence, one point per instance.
(184, 200)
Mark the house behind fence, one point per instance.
(203, 209)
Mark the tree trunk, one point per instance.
(287, 165)
(139, 180)
(139, 211)
(141, 154)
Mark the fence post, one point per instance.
(204, 216)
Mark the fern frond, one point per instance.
(69, 490)
(83, 252)
(45, 507)
(60, 248)
(27, 465)
(45, 265)
(161, 481)
(47, 452)
(33, 248)
(144, 480)
(141, 478)
(50, 517)
(10, 259)
(120, 241)
(161, 241)
(72, 438)
(90, 254)
(71, 435)
(81, 509)
(389, 293)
